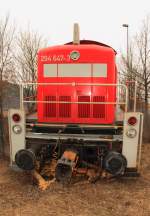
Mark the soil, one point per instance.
(121, 197)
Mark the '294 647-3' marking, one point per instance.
(55, 58)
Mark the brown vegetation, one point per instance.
(125, 197)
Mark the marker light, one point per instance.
(17, 129)
(132, 120)
(16, 117)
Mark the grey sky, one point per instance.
(99, 20)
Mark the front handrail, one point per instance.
(22, 101)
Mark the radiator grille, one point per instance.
(64, 108)
(83, 109)
(50, 108)
(98, 109)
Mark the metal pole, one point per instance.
(21, 96)
(135, 92)
(127, 53)
(127, 44)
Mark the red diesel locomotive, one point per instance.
(77, 127)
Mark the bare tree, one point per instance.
(6, 44)
(28, 43)
(137, 67)
(129, 71)
(6, 61)
(143, 48)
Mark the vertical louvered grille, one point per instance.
(65, 108)
(98, 109)
(50, 108)
(83, 109)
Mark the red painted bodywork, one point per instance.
(77, 113)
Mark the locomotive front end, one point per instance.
(77, 129)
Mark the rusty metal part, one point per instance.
(49, 169)
(92, 173)
(66, 165)
(80, 171)
(71, 155)
(42, 183)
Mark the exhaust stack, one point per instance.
(76, 34)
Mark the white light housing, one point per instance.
(131, 133)
(17, 129)
(74, 55)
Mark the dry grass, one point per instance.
(125, 197)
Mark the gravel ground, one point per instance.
(124, 197)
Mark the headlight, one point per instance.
(17, 129)
(131, 133)
(74, 55)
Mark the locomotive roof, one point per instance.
(82, 42)
(87, 42)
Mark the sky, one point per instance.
(99, 20)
